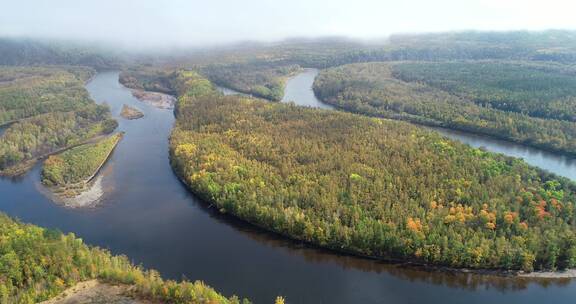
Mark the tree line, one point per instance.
(373, 89)
(71, 169)
(535, 89)
(51, 109)
(259, 78)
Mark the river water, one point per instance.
(299, 90)
(148, 215)
(3, 128)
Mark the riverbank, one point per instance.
(94, 291)
(70, 173)
(402, 263)
(301, 92)
(91, 271)
(432, 124)
(24, 166)
(156, 99)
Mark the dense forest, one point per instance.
(51, 110)
(370, 186)
(78, 164)
(37, 264)
(260, 78)
(148, 79)
(24, 141)
(29, 91)
(535, 89)
(373, 89)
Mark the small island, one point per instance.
(131, 113)
(156, 99)
(69, 173)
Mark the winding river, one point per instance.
(147, 214)
(299, 90)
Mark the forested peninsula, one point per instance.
(368, 186)
(68, 173)
(260, 79)
(48, 110)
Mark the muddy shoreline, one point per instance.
(86, 192)
(155, 99)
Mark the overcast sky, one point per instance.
(142, 23)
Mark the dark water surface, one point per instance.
(3, 128)
(149, 216)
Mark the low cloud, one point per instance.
(177, 23)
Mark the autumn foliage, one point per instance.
(369, 186)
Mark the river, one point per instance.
(148, 215)
(3, 128)
(299, 90)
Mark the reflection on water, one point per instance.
(462, 280)
(154, 220)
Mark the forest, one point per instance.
(49, 109)
(359, 184)
(37, 264)
(373, 89)
(258, 78)
(148, 79)
(536, 89)
(369, 186)
(78, 164)
(30, 91)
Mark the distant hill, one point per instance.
(19, 51)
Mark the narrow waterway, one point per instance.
(149, 216)
(299, 90)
